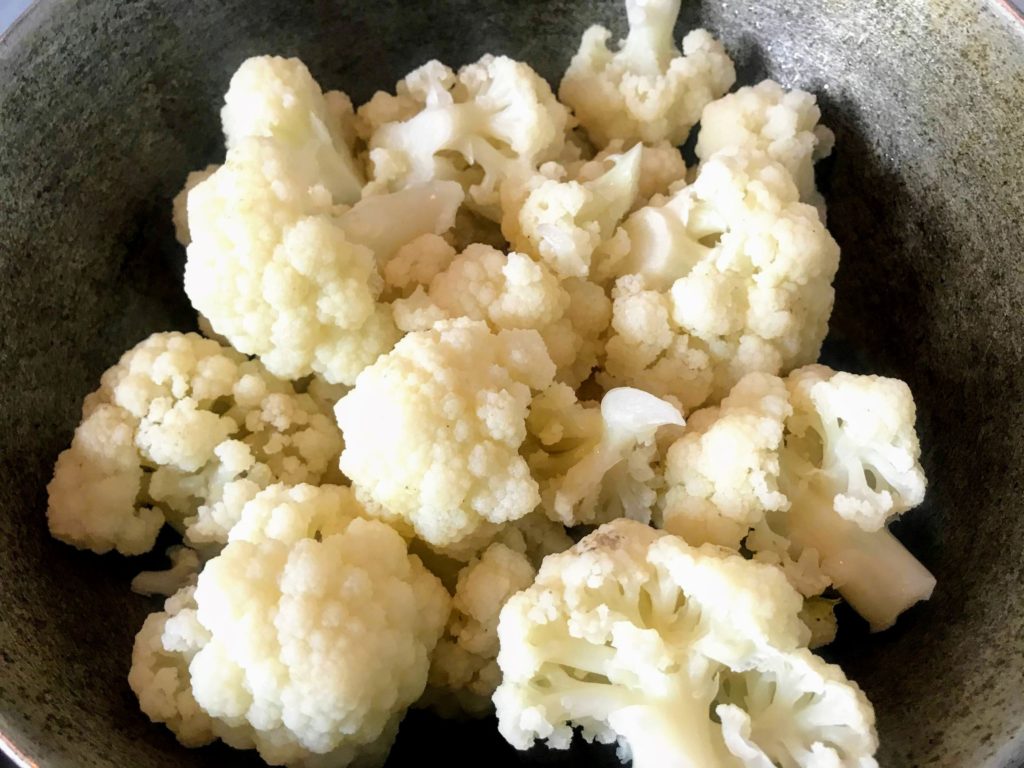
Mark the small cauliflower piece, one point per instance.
(744, 272)
(595, 465)
(432, 432)
(183, 571)
(647, 90)
(561, 223)
(464, 669)
(417, 263)
(769, 118)
(494, 117)
(183, 430)
(850, 465)
(277, 98)
(635, 637)
(722, 475)
(511, 291)
(180, 204)
(306, 638)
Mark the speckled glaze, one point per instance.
(105, 105)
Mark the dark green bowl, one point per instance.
(106, 104)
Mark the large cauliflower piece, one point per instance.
(185, 430)
(433, 429)
(637, 638)
(511, 291)
(647, 90)
(768, 117)
(730, 275)
(495, 117)
(306, 638)
(597, 464)
(275, 263)
(464, 669)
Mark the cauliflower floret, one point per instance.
(495, 117)
(596, 465)
(636, 637)
(184, 430)
(561, 223)
(661, 167)
(464, 669)
(277, 98)
(433, 429)
(182, 573)
(535, 536)
(417, 263)
(647, 90)
(722, 475)
(745, 271)
(850, 465)
(511, 291)
(767, 117)
(309, 636)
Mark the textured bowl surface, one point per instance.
(105, 105)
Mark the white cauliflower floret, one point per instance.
(769, 118)
(634, 636)
(722, 474)
(464, 669)
(417, 263)
(309, 637)
(646, 350)
(276, 264)
(745, 271)
(561, 223)
(277, 98)
(184, 430)
(596, 465)
(495, 117)
(850, 465)
(647, 90)
(433, 429)
(511, 291)
(183, 571)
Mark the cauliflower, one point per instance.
(306, 638)
(510, 291)
(276, 263)
(495, 117)
(849, 466)
(647, 90)
(187, 431)
(767, 117)
(595, 465)
(561, 223)
(433, 429)
(686, 657)
(730, 275)
(464, 669)
(180, 204)
(723, 473)
(806, 474)
(278, 99)
(183, 571)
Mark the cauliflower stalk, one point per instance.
(647, 90)
(464, 669)
(732, 274)
(306, 638)
(510, 291)
(495, 117)
(688, 658)
(433, 429)
(187, 431)
(595, 465)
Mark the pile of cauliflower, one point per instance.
(501, 408)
